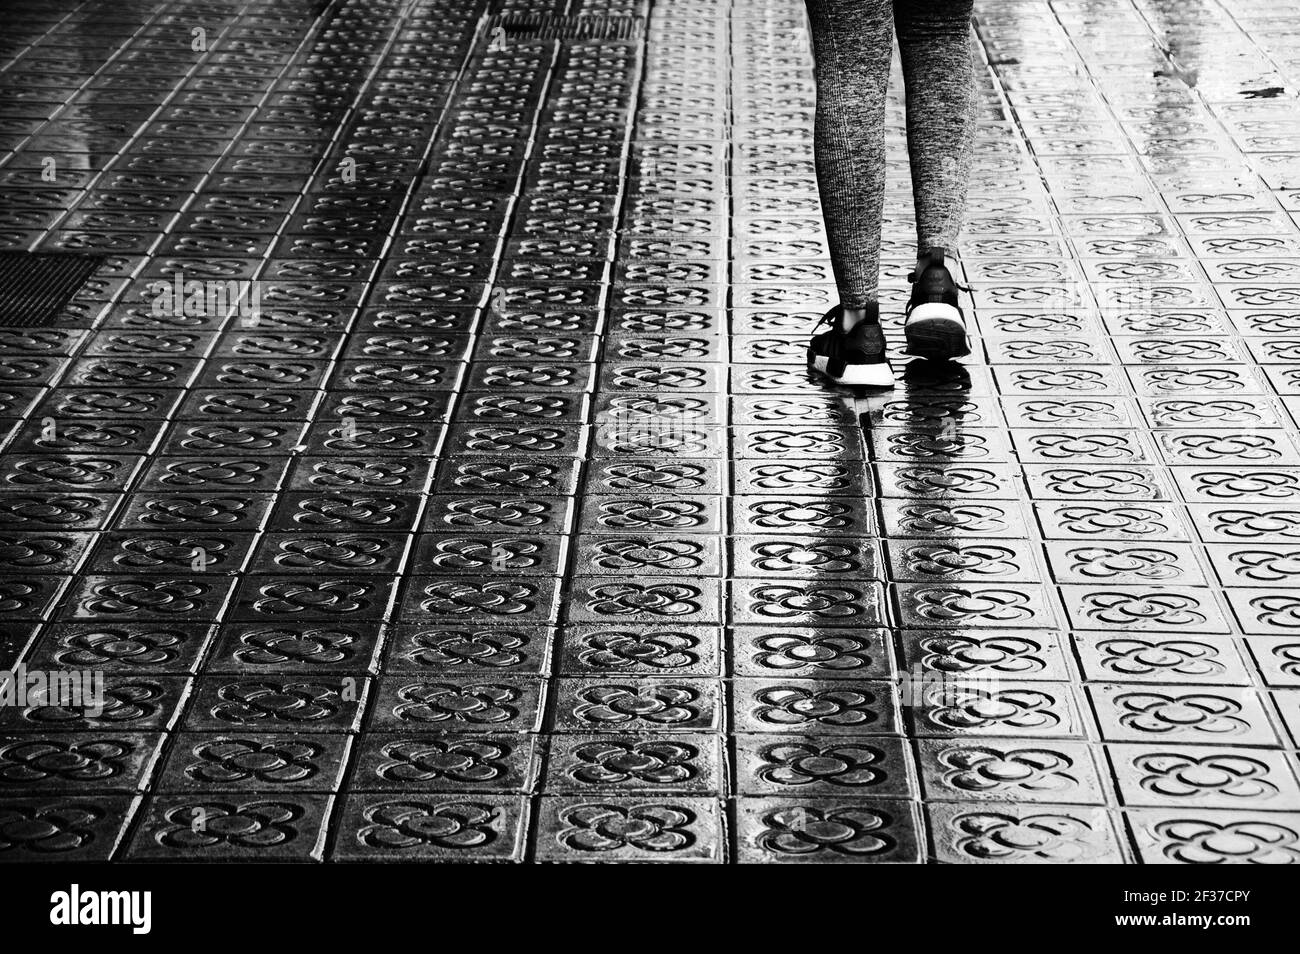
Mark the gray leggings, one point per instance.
(852, 45)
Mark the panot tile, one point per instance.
(822, 830)
(1191, 836)
(1195, 777)
(1018, 833)
(1052, 771)
(1173, 714)
(1155, 659)
(643, 828)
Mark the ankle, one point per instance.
(851, 317)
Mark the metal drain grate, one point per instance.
(553, 26)
(34, 286)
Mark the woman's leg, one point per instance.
(934, 43)
(852, 44)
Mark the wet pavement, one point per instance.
(510, 527)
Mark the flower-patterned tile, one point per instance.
(1160, 658)
(647, 599)
(467, 649)
(416, 702)
(284, 703)
(815, 829)
(208, 763)
(1013, 833)
(454, 827)
(642, 828)
(76, 763)
(1105, 522)
(801, 765)
(122, 702)
(295, 647)
(52, 828)
(433, 761)
(1266, 612)
(480, 600)
(1109, 561)
(231, 828)
(804, 557)
(1278, 660)
(953, 518)
(800, 652)
(121, 648)
(823, 707)
(769, 516)
(1144, 609)
(620, 704)
(947, 481)
(948, 708)
(814, 602)
(977, 654)
(1183, 777)
(1194, 715)
(1053, 771)
(1191, 836)
(673, 763)
(1238, 484)
(958, 561)
(951, 605)
(641, 649)
(1097, 482)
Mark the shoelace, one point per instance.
(826, 318)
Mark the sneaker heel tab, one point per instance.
(930, 258)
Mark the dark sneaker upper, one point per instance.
(932, 282)
(935, 327)
(854, 357)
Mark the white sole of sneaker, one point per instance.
(858, 375)
(936, 331)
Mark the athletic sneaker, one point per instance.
(855, 357)
(935, 327)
